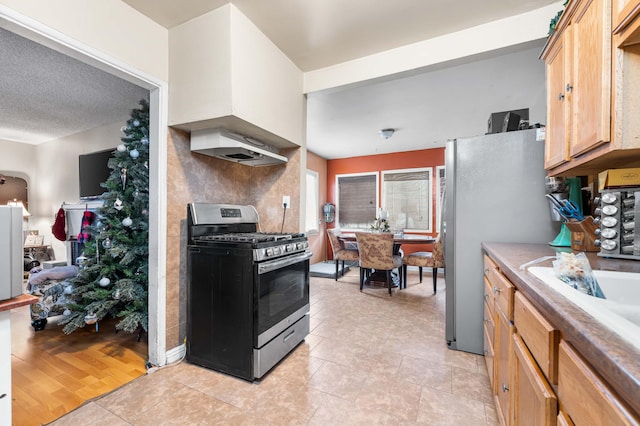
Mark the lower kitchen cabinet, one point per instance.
(534, 402)
(489, 339)
(536, 377)
(504, 331)
(584, 397)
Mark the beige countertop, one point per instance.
(617, 361)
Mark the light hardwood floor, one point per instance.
(53, 373)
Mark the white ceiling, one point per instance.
(318, 33)
(44, 96)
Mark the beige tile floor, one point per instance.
(370, 359)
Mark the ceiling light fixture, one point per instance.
(386, 133)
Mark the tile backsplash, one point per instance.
(200, 178)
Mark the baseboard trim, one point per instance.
(176, 354)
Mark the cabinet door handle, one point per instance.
(505, 388)
(561, 97)
(569, 87)
(496, 290)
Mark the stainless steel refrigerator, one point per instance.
(495, 192)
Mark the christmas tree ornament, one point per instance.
(145, 212)
(121, 148)
(66, 312)
(136, 193)
(146, 164)
(90, 318)
(144, 140)
(104, 281)
(116, 294)
(68, 289)
(123, 129)
(127, 221)
(134, 153)
(123, 177)
(136, 123)
(106, 243)
(118, 205)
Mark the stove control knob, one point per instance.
(300, 246)
(268, 251)
(276, 251)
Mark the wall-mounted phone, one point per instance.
(329, 211)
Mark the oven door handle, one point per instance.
(265, 267)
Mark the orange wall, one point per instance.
(372, 163)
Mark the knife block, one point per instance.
(583, 234)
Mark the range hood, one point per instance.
(226, 145)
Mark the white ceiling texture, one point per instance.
(45, 95)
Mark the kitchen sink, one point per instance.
(620, 311)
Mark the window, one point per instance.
(406, 195)
(311, 219)
(357, 200)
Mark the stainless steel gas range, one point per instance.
(248, 291)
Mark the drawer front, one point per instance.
(540, 337)
(503, 292)
(584, 397)
(489, 265)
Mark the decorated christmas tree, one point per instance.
(113, 271)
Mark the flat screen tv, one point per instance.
(93, 170)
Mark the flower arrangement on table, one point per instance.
(381, 224)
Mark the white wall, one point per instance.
(16, 159)
(51, 170)
(110, 26)
(222, 65)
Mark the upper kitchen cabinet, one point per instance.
(625, 14)
(578, 58)
(558, 137)
(224, 72)
(591, 78)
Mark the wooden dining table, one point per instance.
(398, 240)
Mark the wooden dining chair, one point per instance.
(424, 259)
(376, 253)
(340, 251)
